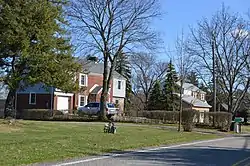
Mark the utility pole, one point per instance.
(214, 77)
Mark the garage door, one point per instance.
(62, 103)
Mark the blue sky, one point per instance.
(180, 14)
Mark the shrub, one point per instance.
(188, 119)
(219, 120)
(39, 114)
(164, 116)
(72, 117)
(128, 119)
(36, 114)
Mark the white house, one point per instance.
(119, 90)
(195, 98)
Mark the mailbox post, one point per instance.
(237, 124)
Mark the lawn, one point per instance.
(246, 128)
(31, 142)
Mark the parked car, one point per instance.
(93, 108)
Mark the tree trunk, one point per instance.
(105, 88)
(180, 114)
(9, 110)
(146, 101)
(230, 102)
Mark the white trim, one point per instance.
(30, 98)
(93, 87)
(141, 151)
(85, 100)
(99, 91)
(85, 79)
(63, 94)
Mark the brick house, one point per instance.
(90, 82)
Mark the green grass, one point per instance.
(31, 142)
(246, 128)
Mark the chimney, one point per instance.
(92, 59)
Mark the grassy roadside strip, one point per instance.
(32, 141)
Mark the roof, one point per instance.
(188, 86)
(3, 91)
(96, 90)
(98, 68)
(195, 102)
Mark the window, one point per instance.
(119, 84)
(81, 101)
(194, 94)
(32, 98)
(83, 80)
(111, 105)
(202, 96)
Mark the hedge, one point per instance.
(219, 120)
(38, 114)
(164, 116)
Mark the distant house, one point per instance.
(90, 81)
(195, 98)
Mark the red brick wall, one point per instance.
(98, 79)
(41, 100)
(92, 80)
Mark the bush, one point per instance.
(188, 119)
(164, 116)
(35, 114)
(218, 120)
(39, 114)
(128, 119)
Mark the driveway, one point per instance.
(220, 152)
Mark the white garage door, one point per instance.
(62, 103)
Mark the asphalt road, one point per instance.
(222, 152)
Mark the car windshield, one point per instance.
(111, 105)
(92, 105)
(95, 104)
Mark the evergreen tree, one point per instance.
(170, 87)
(192, 78)
(155, 97)
(123, 68)
(34, 47)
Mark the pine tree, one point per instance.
(123, 68)
(170, 87)
(192, 78)
(34, 47)
(155, 97)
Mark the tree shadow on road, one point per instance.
(196, 155)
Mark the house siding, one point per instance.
(119, 92)
(121, 102)
(41, 101)
(93, 79)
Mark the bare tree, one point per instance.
(221, 47)
(108, 27)
(184, 63)
(147, 70)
